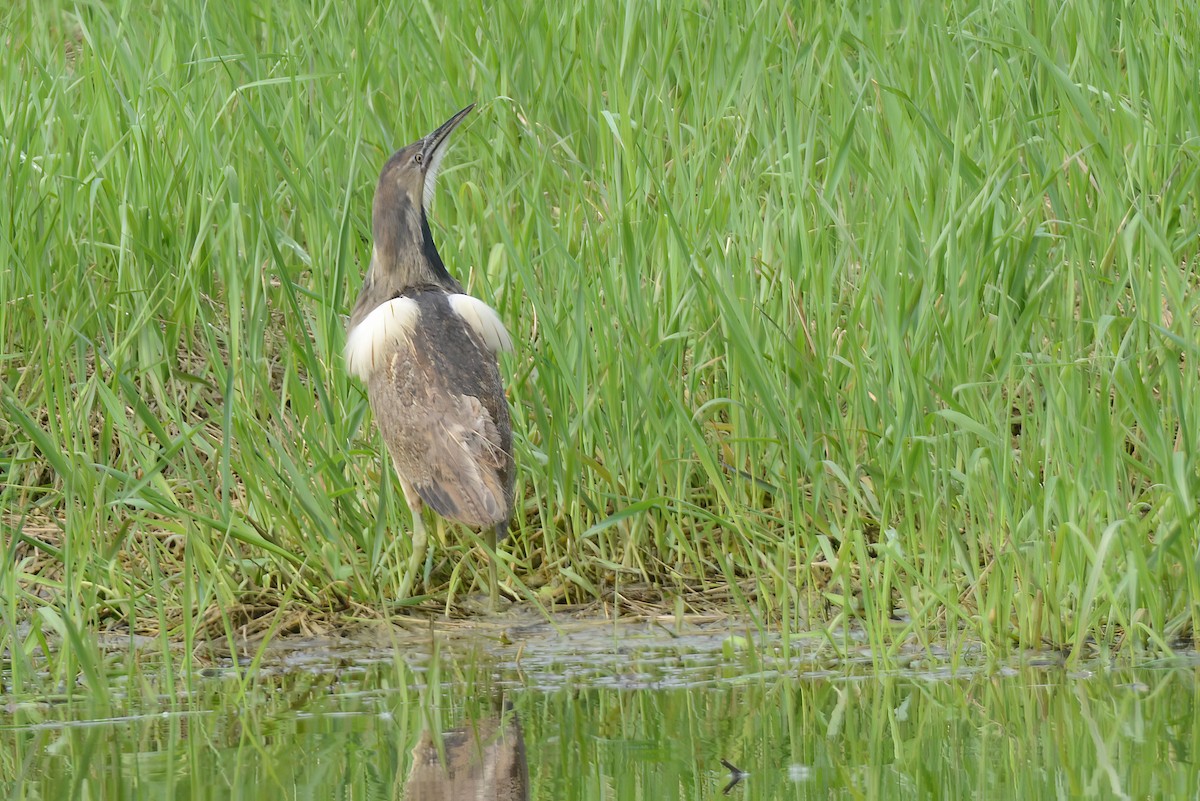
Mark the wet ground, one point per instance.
(518, 707)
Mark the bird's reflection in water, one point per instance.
(484, 759)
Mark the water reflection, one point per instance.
(736, 775)
(483, 759)
(643, 719)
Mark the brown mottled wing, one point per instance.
(440, 406)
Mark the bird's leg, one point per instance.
(416, 562)
(489, 539)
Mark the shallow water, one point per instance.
(633, 711)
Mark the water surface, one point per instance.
(605, 711)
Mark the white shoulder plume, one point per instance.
(484, 320)
(371, 340)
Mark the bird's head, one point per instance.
(404, 251)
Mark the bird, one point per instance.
(428, 354)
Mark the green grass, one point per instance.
(822, 317)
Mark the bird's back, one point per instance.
(439, 403)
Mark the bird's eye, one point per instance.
(419, 159)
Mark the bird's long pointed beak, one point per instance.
(434, 141)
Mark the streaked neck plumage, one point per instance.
(404, 257)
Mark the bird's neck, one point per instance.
(404, 259)
(433, 264)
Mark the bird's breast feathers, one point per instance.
(393, 323)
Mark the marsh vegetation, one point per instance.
(877, 318)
